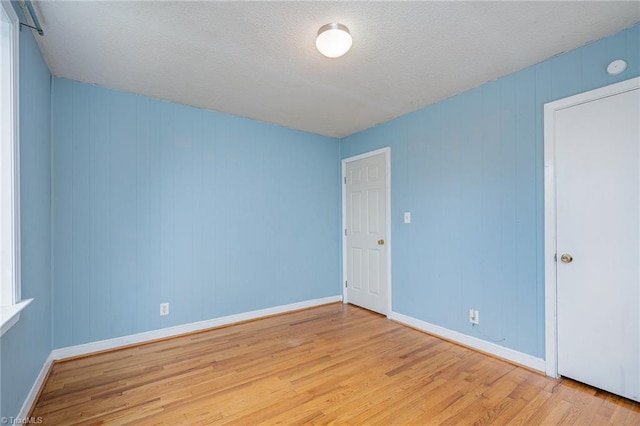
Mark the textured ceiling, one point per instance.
(258, 59)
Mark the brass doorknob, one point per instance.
(566, 258)
(380, 242)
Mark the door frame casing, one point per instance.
(387, 160)
(550, 229)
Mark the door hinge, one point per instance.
(345, 232)
(345, 283)
(555, 257)
(345, 180)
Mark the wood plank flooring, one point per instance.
(331, 364)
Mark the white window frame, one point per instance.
(11, 302)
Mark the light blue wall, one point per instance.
(470, 170)
(158, 202)
(24, 348)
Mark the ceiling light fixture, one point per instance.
(334, 40)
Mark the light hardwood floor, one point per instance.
(331, 364)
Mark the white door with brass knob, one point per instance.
(597, 198)
(366, 234)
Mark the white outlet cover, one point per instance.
(164, 309)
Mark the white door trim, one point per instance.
(550, 283)
(387, 159)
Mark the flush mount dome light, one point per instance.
(334, 40)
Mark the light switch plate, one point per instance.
(407, 217)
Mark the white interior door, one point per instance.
(366, 233)
(597, 167)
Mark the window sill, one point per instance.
(9, 315)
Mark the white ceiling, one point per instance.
(258, 59)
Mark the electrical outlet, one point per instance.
(164, 309)
(474, 316)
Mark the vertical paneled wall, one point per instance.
(470, 170)
(25, 347)
(158, 202)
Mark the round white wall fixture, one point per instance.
(334, 40)
(616, 67)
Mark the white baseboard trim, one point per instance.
(35, 389)
(103, 345)
(511, 355)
